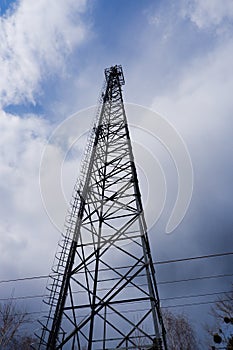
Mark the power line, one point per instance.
(195, 295)
(197, 278)
(191, 304)
(162, 299)
(23, 297)
(143, 309)
(156, 263)
(26, 278)
(193, 258)
(111, 279)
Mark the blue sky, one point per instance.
(177, 60)
(132, 33)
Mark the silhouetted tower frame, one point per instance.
(105, 268)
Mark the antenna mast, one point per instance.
(103, 294)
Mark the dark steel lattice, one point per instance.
(104, 293)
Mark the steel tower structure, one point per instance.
(103, 292)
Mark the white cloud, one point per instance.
(201, 99)
(28, 239)
(36, 38)
(23, 223)
(209, 12)
(200, 107)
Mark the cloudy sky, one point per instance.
(177, 60)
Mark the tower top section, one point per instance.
(113, 72)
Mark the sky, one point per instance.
(177, 61)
